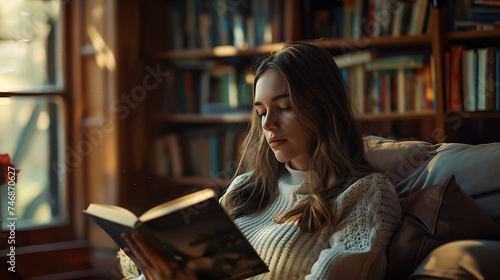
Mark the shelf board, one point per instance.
(203, 119)
(341, 44)
(398, 116)
(479, 115)
(197, 181)
(386, 41)
(241, 118)
(219, 51)
(473, 34)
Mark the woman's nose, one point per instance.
(270, 120)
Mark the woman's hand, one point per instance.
(152, 265)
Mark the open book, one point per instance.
(193, 230)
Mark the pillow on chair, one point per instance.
(434, 216)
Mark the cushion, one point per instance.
(400, 161)
(415, 165)
(432, 217)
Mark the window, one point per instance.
(31, 109)
(32, 133)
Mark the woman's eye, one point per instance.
(286, 109)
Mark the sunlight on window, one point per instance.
(27, 30)
(43, 121)
(34, 141)
(43, 215)
(25, 113)
(31, 126)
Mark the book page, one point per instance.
(177, 204)
(112, 213)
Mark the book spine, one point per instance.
(401, 108)
(468, 80)
(482, 58)
(490, 79)
(189, 94)
(456, 78)
(497, 80)
(181, 92)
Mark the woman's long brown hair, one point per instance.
(321, 104)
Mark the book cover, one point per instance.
(396, 62)
(401, 92)
(490, 79)
(456, 92)
(181, 92)
(469, 77)
(429, 87)
(384, 82)
(189, 94)
(482, 58)
(192, 230)
(354, 58)
(497, 80)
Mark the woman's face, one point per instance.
(287, 138)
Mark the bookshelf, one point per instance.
(436, 124)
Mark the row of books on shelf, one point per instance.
(473, 15)
(207, 152)
(377, 85)
(472, 79)
(216, 89)
(351, 19)
(390, 84)
(198, 24)
(209, 23)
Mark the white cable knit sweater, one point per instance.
(368, 213)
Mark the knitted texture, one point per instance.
(367, 214)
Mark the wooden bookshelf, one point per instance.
(387, 42)
(241, 118)
(474, 34)
(399, 116)
(433, 125)
(332, 44)
(479, 115)
(217, 52)
(202, 119)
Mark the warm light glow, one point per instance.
(39, 55)
(43, 214)
(97, 12)
(249, 78)
(43, 121)
(270, 47)
(5, 101)
(225, 51)
(104, 56)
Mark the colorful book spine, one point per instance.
(482, 57)
(469, 77)
(456, 93)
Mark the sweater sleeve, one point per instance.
(237, 182)
(368, 214)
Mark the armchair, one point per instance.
(448, 191)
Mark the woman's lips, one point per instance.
(277, 143)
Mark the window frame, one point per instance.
(61, 235)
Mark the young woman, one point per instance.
(304, 194)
